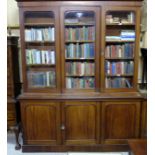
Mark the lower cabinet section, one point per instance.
(80, 122)
(120, 120)
(41, 120)
(79, 125)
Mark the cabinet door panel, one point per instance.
(40, 122)
(120, 121)
(81, 121)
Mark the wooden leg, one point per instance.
(16, 130)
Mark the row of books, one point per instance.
(41, 79)
(118, 82)
(115, 68)
(40, 34)
(112, 18)
(80, 68)
(80, 33)
(120, 51)
(77, 50)
(86, 82)
(125, 35)
(34, 56)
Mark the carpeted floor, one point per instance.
(11, 149)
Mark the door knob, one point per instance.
(62, 127)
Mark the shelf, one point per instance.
(41, 87)
(120, 24)
(79, 24)
(120, 75)
(119, 58)
(38, 24)
(79, 41)
(79, 75)
(39, 42)
(79, 59)
(120, 41)
(40, 65)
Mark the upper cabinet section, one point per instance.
(80, 48)
(40, 50)
(120, 48)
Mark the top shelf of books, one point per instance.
(120, 18)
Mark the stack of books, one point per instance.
(128, 35)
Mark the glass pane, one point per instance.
(119, 49)
(40, 49)
(80, 49)
(41, 79)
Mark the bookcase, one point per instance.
(80, 65)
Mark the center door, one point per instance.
(80, 49)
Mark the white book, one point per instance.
(53, 34)
(47, 79)
(43, 57)
(52, 57)
(38, 57)
(122, 68)
(82, 68)
(39, 35)
(119, 51)
(27, 35)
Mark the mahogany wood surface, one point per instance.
(138, 146)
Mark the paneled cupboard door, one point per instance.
(80, 122)
(120, 120)
(40, 49)
(41, 122)
(120, 48)
(80, 28)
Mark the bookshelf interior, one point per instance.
(119, 49)
(79, 49)
(39, 27)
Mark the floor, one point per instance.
(11, 149)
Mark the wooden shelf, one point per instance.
(80, 59)
(39, 42)
(120, 24)
(38, 24)
(79, 41)
(120, 41)
(41, 65)
(79, 24)
(119, 58)
(120, 75)
(79, 75)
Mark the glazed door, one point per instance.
(80, 48)
(41, 121)
(120, 120)
(80, 123)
